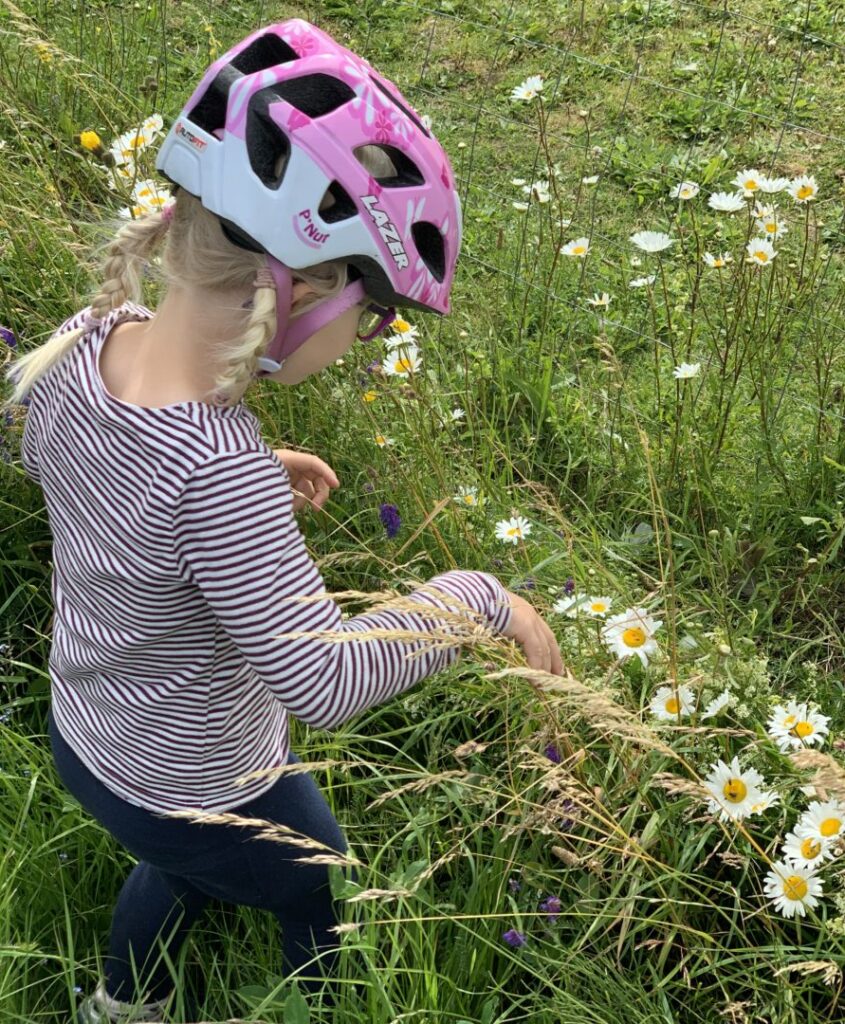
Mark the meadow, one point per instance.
(634, 417)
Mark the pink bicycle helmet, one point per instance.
(273, 128)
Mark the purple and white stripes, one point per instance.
(176, 557)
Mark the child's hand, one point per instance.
(308, 474)
(532, 634)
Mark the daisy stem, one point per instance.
(806, 240)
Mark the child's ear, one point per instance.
(299, 292)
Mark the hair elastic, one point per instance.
(167, 212)
(264, 278)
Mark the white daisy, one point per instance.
(792, 889)
(469, 496)
(600, 300)
(726, 202)
(403, 329)
(685, 190)
(571, 606)
(824, 820)
(591, 180)
(150, 195)
(528, 89)
(520, 206)
(764, 802)
(632, 632)
(457, 414)
(381, 440)
(402, 361)
(577, 247)
(771, 226)
(762, 210)
(793, 727)
(154, 124)
(665, 704)
(651, 241)
(597, 607)
(513, 530)
(717, 704)
(773, 184)
(748, 180)
(760, 251)
(803, 188)
(641, 282)
(125, 146)
(806, 851)
(733, 791)
(686, 370)
(539, 190)
(717, 261)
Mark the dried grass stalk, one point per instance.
(830, 775)
(598, 709)
(419, 785)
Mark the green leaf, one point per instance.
(296, 1009)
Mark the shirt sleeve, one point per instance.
(236, 538)
(28, 451)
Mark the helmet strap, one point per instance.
(290, 336)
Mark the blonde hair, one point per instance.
(197, 255)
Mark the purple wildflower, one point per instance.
(552, 753)
(551, 906)
(514, 938)
(8, 335)
(565, 824)
(529, 583)
(514, 885)
(389, 515)
(372, 367)
(569, 586)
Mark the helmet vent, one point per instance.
(429, 243)
(267, 145)
(389, 166)
(343, 206)
(264, 52)
(210, 112)
(402, 107)
(315, 95)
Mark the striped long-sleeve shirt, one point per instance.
(175, 556)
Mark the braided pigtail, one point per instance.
(125, 255)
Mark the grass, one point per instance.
(717, 503)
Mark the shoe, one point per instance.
(102, 1009)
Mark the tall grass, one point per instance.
(530, 847)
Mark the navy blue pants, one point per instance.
(183, 865)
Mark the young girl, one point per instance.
(309, 193)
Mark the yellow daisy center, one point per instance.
(761, 255)
(751, 184)
(789, 720)
(578, 250)
(672, 705)
(830, 826)
(735, 790)
(598, 606)
(804, 191)
(469, 499)
(402, 365)
(718, 263)
(810, 848)
(379, 438)
(514, 531)
(771, 227)
(803, 729)
(401, 325)
(634, 637)
(795, 888)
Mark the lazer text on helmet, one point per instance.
(387, 231)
